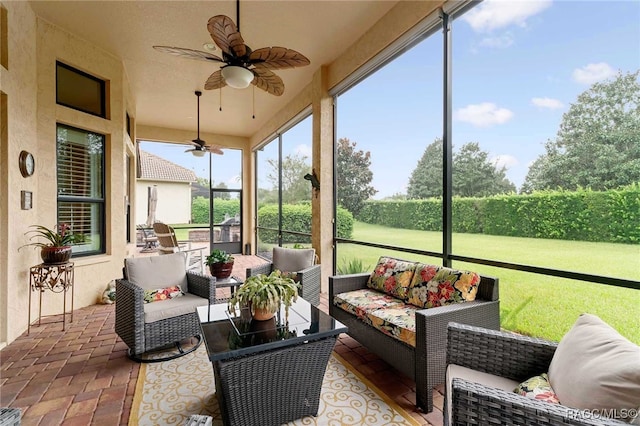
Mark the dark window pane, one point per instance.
(79, 90)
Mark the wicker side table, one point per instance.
(272, 387)
(57, 278)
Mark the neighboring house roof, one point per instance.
(157, 168)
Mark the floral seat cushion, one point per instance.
(360, 302)
(434, 286)
(392, 276)
(398, 322)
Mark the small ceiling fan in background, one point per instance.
(243, 65)
(199, 146)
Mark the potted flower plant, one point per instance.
(220, 263)
(57, 245)
(264, 294)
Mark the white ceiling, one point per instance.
(164, 85)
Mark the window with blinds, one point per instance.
(80, 172)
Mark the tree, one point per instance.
(294, 187)
(598, 143)
(200, 188)
(354, 176)
(426, 178)
(474, 175)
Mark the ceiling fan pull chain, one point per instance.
(254, 101)
(221, 99)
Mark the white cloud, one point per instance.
(592, 73)
(549, 103)
(505, 160)
(498, 42)
(485, 114)
(304, 150)
(495, 14)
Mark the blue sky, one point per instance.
(517, 67)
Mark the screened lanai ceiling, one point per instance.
(164, 84)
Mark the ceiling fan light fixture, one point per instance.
(237, 77)
(198, 152)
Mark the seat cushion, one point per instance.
(292, 260)
(398, 322)
(594, 367)
(153, 272)
(186, 304)
(392, 276)
(434, 286)
(456, 371)
(361, 302)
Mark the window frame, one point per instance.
(101, 202)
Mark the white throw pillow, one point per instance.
(596, 368)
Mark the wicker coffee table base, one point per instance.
(273, 387)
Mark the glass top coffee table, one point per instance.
(268, 372)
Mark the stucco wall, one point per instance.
(174, 201)
(29, 82)
(19, 83)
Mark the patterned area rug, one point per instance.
(167, 393)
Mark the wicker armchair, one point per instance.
(508, 356)
(147, 326)
(301, 261)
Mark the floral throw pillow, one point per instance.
(392, 276)
(161, 294)
(434, 286)
(538, 387)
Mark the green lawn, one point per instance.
(532, 304)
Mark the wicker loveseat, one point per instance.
(417, 345)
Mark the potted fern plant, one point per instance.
(264, 294)
(220, 263)
(56, 247)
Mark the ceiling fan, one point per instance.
(243, 65)
(199, 146)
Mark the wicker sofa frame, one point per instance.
(426, 363)
(142, 337)
(511, 356)
(309, 280)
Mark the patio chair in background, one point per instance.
(168, 243)
(300, 261)
(148, 238)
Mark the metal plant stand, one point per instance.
(57, 278)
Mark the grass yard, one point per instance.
(532, 304)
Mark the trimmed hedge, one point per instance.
(200, 209)
(584, 215)
(297, 218)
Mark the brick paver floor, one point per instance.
(82, 376)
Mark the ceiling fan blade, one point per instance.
(225, 34)
(188, 53)
(215, 149)
(215, 81)
(267, 81)
(278, 58)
